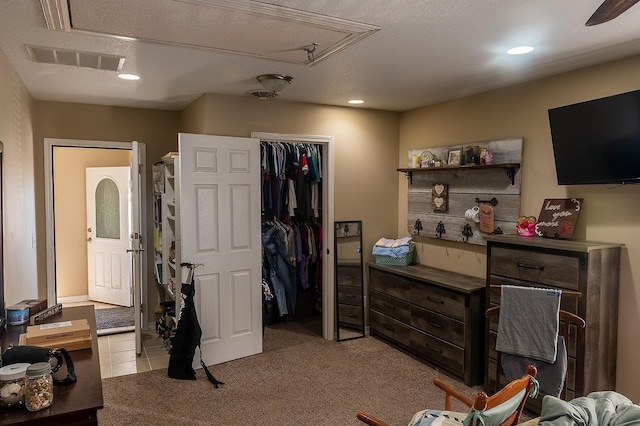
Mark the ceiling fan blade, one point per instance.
(608, 10)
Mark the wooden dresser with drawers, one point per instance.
(435, 314)
(591, 268)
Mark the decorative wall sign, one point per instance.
(558, 217)
(439, 197)
(486, 218)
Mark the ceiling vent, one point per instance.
(263, 94)
(99, 61)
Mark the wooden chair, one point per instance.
(483, 403)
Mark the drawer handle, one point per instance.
(430, 299)
(390, 285)
(352, 315)
(435, 324)
(388, 327)
(527, 266)
(439, 351)
(350, 296)
(387, 305)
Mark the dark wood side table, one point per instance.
(73, 404)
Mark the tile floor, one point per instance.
(118, 351)
(118, 354)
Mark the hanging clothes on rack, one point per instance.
(291, 174)
(291, 207)
(281, 270)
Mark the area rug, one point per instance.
(114, 318)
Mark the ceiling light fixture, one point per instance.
(126, 76)
(356, 101)
(520, 50)
(274, 82)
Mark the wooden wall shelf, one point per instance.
(509, 168)
(465, 186)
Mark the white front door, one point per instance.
(220, 229)
(107, 197)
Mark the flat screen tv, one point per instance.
(598, 141)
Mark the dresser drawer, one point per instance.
(567, 303)
(450, 357)
(350, 295)
(390, 306)
(350, 315)
(390, 328)
(392, 285)
(439, 325)
(349, 275)
(544, 268)
(438, 300)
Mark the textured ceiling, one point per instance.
(396, 55)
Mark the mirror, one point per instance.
(349, 286)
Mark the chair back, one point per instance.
(504, 407)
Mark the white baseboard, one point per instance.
(72, 299)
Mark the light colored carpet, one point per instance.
(299, 379)
(114, 318)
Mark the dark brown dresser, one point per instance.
(73, 404)
(436, 314)
(591, 268)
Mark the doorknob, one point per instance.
(89, 239)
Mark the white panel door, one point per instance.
(220, 229)
(107, 199)
(135, 238)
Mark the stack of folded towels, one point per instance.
(393, 248)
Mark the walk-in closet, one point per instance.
(292, 233)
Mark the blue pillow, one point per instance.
(437, 418)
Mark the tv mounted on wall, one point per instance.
(598, 141)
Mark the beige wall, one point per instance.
(19, 215)
(155, 128)
(366, 149)
(609, 214)
(69, 181)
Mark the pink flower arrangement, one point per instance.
(526, 226)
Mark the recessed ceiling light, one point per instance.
(125, 76)
(520, 50)
(356, 101)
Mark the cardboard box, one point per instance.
(35, 305)
(69, 345)
(17, 314)
(57, 331)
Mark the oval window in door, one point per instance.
(107, 203)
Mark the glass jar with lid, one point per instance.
(39, 386)
(13, 384)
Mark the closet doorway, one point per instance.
(326, 218)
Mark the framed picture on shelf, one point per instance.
(454, 157)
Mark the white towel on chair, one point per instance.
(529, 321)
